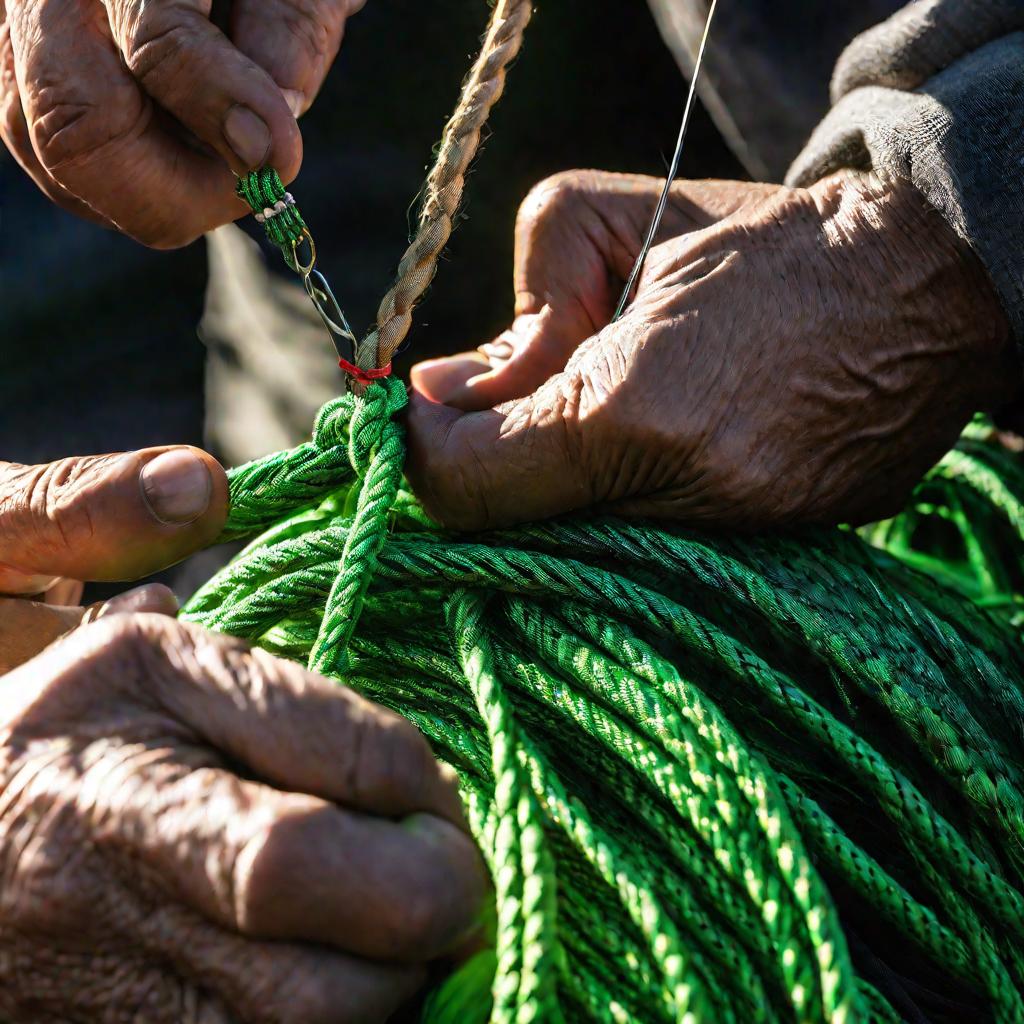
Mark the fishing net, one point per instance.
(714, 779)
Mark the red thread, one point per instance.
(364, 376)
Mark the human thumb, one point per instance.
(515, 364)
(106, 517)
(519, 462)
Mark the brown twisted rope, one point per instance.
(444, 186)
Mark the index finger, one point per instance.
(97, 135)
(294, 729)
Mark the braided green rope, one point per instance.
(714, 780)
(275, 209)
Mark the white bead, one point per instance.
(268, 212)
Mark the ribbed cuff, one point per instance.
(960, 140)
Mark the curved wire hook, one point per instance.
(322, 297)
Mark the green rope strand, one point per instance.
(527, 936)
(376, 451)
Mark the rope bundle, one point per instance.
(743, 780)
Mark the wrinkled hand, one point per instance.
(791, 356)
(191, 831)
(109, 517)
(135, 113)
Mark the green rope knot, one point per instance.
(331, 428)
(372, 421)
(376, 451)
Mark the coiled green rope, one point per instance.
(714, 779)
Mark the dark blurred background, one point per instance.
(98, 342)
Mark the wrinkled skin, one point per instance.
(791, 356)
(191, 831)
(97, 517)
(134, 114)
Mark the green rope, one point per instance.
(713, 779)
(280, 217)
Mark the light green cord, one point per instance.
(714, 779)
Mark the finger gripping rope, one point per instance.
(713, 780)
(275, 209)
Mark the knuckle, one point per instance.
(119, 639)
(392, 762)
(51, 505)
(555, 198)
(263, 868)
(135, 656)
(440, 895)
(68, 128)
(312, 24)
(255, 870)
(153, 47)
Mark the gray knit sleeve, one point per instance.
(936, 95)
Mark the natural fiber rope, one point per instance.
(714, 780)
(442, 194)
(446, 181)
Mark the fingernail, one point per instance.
(444, 380)
(64, 592)
(296, 100)
(151, 597)
(248, 135)
(176, 486)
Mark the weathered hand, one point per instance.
(110, 517)
(577, 236)
(135, 113)
(191, 831)
(792, 355)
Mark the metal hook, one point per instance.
(320, 294)
(305, 269)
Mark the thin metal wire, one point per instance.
(659, 212)
(331, 313)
